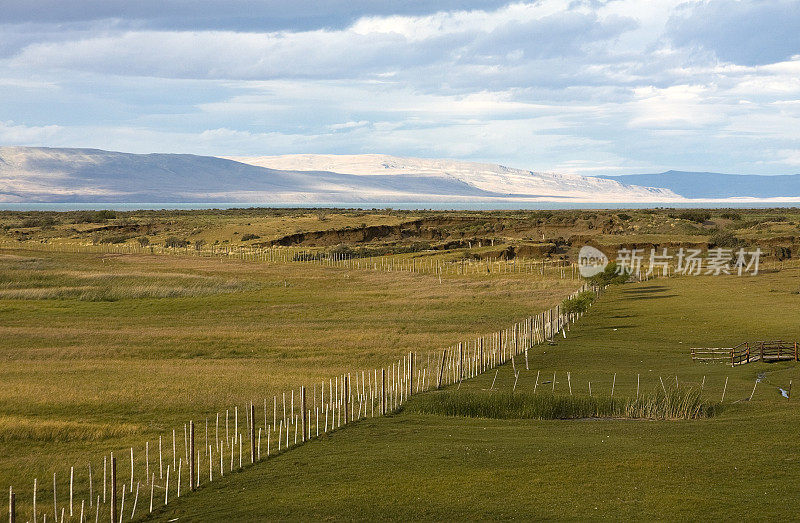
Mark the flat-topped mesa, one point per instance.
(494, 179)
(47, 175)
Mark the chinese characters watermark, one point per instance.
(689, 261)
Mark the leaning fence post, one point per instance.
(114, 490)
(441, 369)
(192, 458)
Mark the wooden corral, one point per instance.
(746, 352)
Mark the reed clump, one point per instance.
(675, 404)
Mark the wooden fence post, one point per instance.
(303, 412)
(346, 390)
(12, 505)
(500, 347)
(114, 517)
(383, 391)
(252, 433)
(483, 359)
(441, 369)
(192, 463)
(460, 361)
(411, 357)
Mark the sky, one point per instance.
(581, 86)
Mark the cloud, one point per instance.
(680, 106)
(16, 134)
(788, 156)
(235, 15)
(586, 86)
(747, 32)
(453, 42)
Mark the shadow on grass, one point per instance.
(652, 292)
(646, 290)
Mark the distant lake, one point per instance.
(450, 206)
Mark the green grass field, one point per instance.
(740, 463)
(104, 352)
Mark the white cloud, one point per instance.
(788, 157)
(369, 48)
(555, 84)
(17, 134)
(680, 106)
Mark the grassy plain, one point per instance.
(740, 463)
(104, 352)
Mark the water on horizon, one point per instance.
(447, 206)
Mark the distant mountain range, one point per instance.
(49, 175)
(705, 185)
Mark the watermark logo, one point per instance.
(693, 262)
(591, 261)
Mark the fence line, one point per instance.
(746, 352)
(350, 396)
(285, 255)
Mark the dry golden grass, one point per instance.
(25, 430)
(81, 378)
(35, 279)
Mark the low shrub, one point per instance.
(98, 239)
(694, 216)
(94, 216)
(724, 239)
(579, 303)
(610, 276)
(38, 221)
(174, 241)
